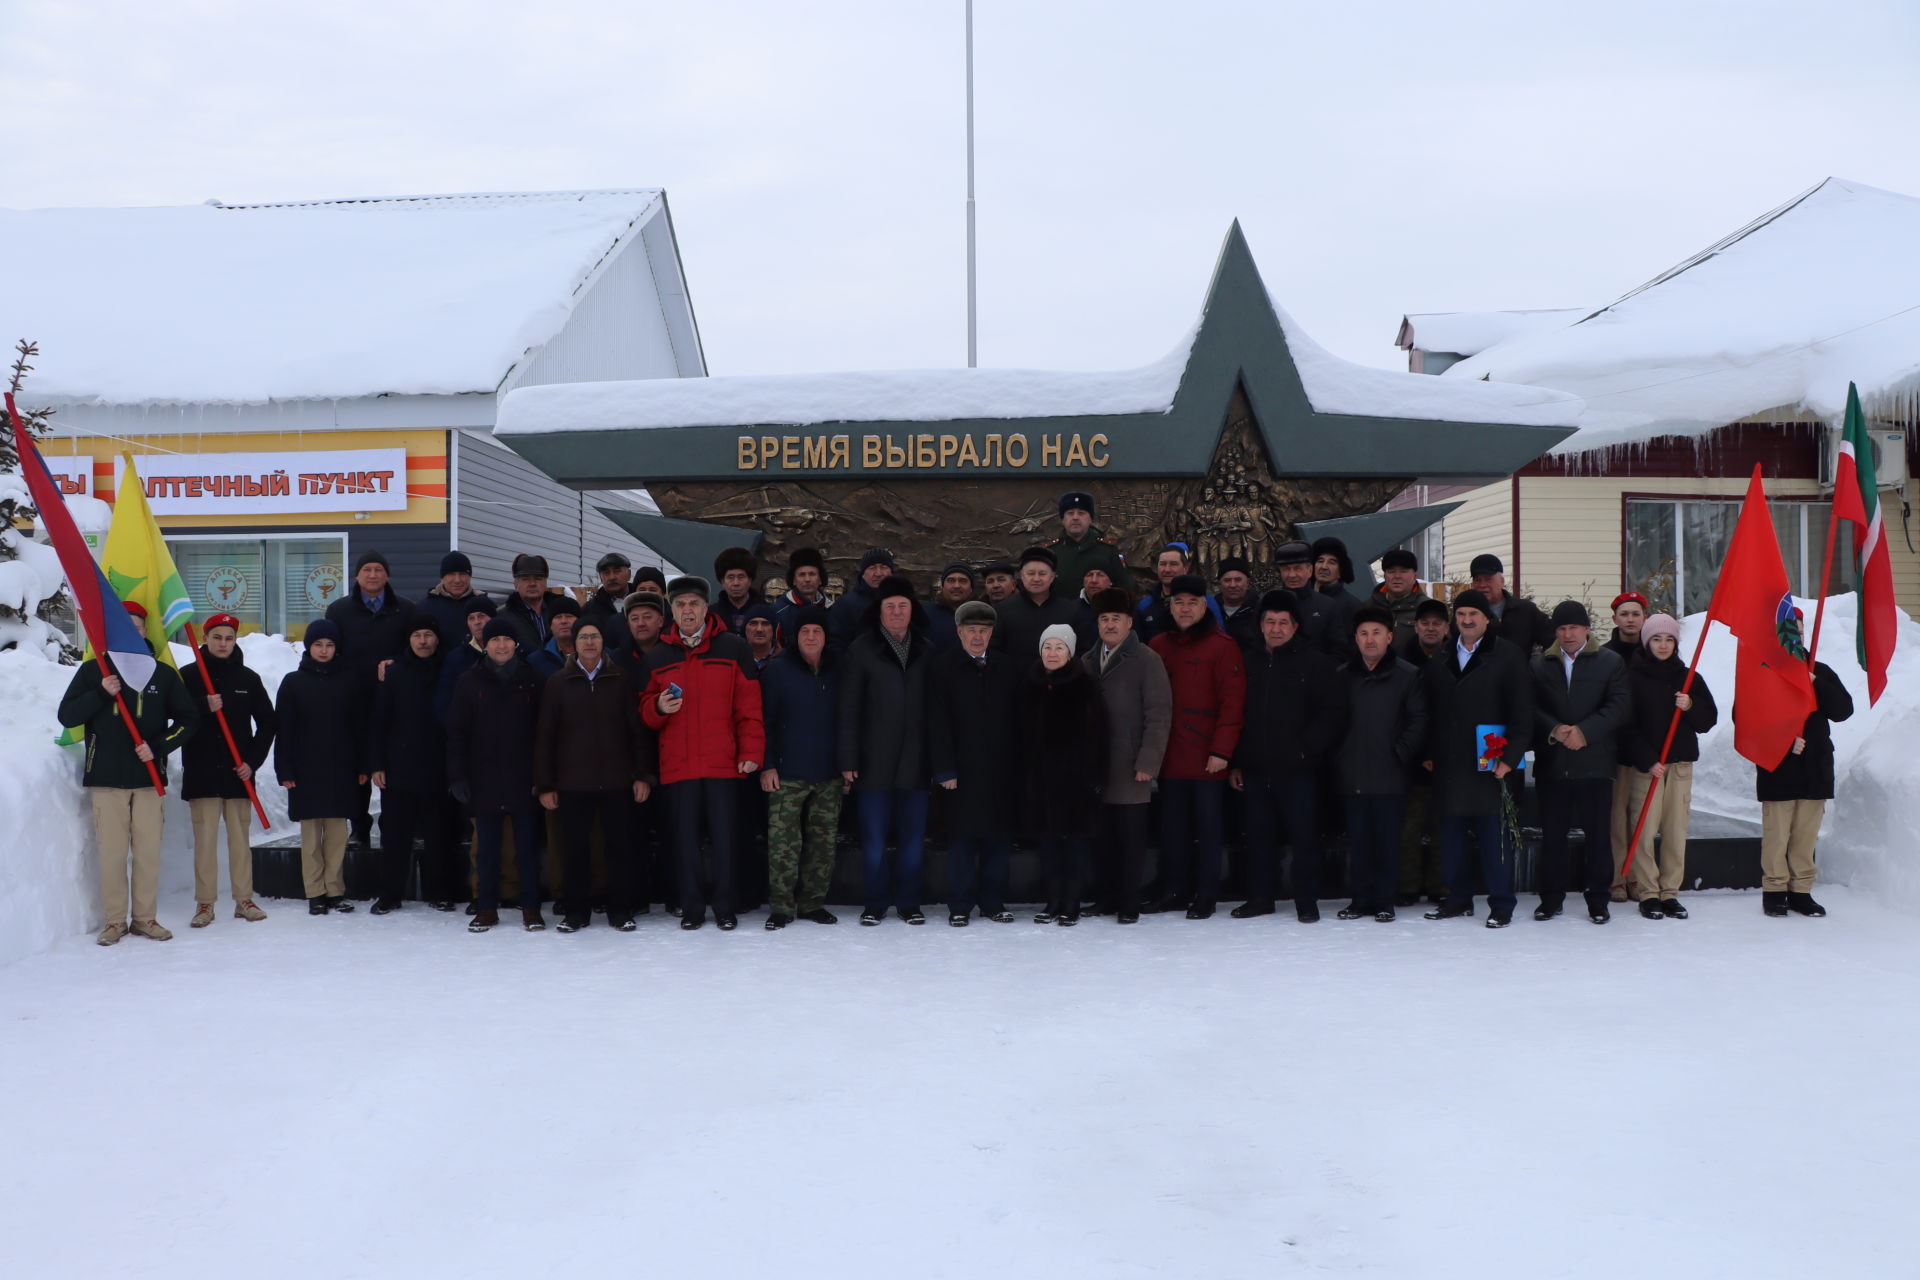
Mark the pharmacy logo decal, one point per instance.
(226, 589)
(323, 585)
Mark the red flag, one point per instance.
(1772, 686)
(1856, 499)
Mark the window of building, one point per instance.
(1675, 546)
(275, 583)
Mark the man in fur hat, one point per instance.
(734, 569)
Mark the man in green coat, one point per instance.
(126, 808)
(1081, 547)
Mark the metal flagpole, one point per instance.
(973, 326)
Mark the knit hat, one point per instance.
(222, 620)
(1295, 552)
(455, 562)
(559, 602)
(958, 566)
(1471, 599)
(804, 556)
(734, 558)
(1626, 596)
(479, 604)
(1400, 558)
(1430, 608)
(321, 629)
(594, 625)
(370, 556)
(1187, 584)
(499, 626)
(1235, 564)
(810, 615)
(1660, 624)
(689, 585)
(644, 600)
(1485, 562)
(1571, 613)
(1112, 600)
(1338, 549)
(873, 556)
(1063, 633)
(763, 612)
(612, 560)
(527, 565)
(975, 613)
(420, 620)
(1041, 554)
(1372, 613)
(1280, 600)
(650, 573)
(1076, 502)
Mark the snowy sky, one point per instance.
(1383, 157)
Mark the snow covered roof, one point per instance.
(1465, 333)
(1777, 317)
(325, 299)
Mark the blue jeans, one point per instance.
(905, 813)
(487, 828)
(988, 855)
(1496, 857)
(1190, 807)
(1373, 849)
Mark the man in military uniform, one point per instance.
(1081, 547)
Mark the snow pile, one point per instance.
(48, 879)
(30, 573)
(1867, 841)
(1332, 385)
(421, 296)
(1780, 315)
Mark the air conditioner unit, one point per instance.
(1889, 457)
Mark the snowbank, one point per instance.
(422, 296)
(48, 882)
(1780, 315)
(1867, 841)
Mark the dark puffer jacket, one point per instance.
(206, 764)
(1209, 680)
(1296, 711)
(1809, 775)
(1651, 684)
(883, 710)
(491, 725)
(407, 741)
(322, 740)
(1063, 736)
(161, 709)
(800, 705)
(1386, 728)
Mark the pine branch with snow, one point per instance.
(33, 595)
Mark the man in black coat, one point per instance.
(1239, 606)
(1386, 734)
(1315, 611)
(1296, 714)
(604, 605)
(734, 571)
(212, 784)
(1037, 606)
(491, 731)
(1431, 633)
(1480, 689)
(1518, 622)
(882, 747)
(449, 599)
(407, 753)
(957, 587)
(974, 744)
(526, 611)
(372, 620)
(1581, 708)
(1332, 573)
(1793, 799)
(847, 619)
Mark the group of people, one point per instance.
(1038, 697)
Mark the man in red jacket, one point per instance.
(705, 706)
(1209, 697)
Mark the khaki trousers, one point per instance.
(207, 813)
(1788, 831)
(127, 820)
(323, 852)
(1624, 813)
(1660, 876)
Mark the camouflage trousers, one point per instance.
(802, 820)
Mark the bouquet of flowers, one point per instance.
(1492, 751)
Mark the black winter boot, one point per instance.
(1804, 904)
(1774, 904)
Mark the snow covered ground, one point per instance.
(350, 1096)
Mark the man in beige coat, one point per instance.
(1139, 700)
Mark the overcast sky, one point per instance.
(1382, 157)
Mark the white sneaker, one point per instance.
(202, 915)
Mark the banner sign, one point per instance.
(211, 484)
(72, 475)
